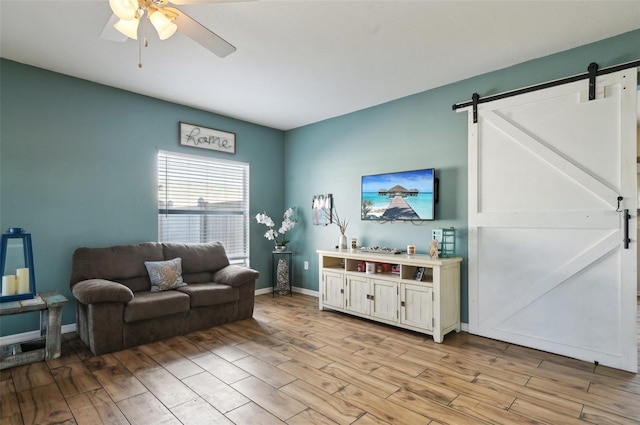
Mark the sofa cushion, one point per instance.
(114, 263)
(165, 275)
(140, 283)
(204, 294)
(200, 277)
(150, 305)
(209, 257)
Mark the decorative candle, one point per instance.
(8, 285)
(22, 284)
(411, 249)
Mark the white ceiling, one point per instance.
(300, 62)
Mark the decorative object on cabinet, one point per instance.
(446, 241)
(430, 306)
(278, 236)
(281, 272)
(380, 249)
(16, 253)
(342, 224)
(321, 210)
(433, 249)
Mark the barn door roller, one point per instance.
(593, 71)
(474, 98)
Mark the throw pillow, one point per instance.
(165, 275)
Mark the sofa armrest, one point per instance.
(94, 291)
(234, 275)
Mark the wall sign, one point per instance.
(207, 138)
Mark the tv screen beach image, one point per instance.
(406, 195)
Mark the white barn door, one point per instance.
(547, 265)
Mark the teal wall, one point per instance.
(78, 168)
(77, 163)
(419, 131)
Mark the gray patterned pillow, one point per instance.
(165, 275)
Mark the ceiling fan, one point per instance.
(129, 14)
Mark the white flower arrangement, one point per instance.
(288, 223)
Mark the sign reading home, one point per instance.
(207, 138)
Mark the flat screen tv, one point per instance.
(401, 196)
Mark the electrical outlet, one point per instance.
(306, 265)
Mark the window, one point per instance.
(203, 199)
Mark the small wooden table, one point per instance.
(49, 304)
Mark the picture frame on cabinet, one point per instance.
(419, 273)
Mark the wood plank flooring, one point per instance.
(293, 364)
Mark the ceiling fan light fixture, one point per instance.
(128, 27)
(163, 25)
(124, 9)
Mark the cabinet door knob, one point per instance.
(402, 303)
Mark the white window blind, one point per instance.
(203, 200)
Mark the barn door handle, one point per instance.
(626, 239)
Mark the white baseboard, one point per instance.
(263, 291)
(296, 290)
(304, 291)
(31, 335)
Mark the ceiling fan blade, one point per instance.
(110, 33)
(200, 34)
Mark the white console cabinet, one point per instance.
(430, 305)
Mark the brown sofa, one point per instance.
(116, 308)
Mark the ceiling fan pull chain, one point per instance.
(144, 29)
(139, 52)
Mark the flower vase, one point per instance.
(342, 242)
(280, 248)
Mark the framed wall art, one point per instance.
(321, 209)
(198, 136)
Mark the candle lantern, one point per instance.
(16, 266)
(446, 241)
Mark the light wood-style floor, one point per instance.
(294, 364)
